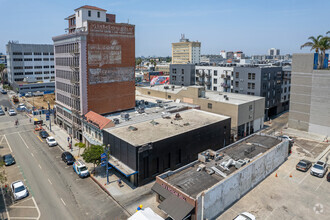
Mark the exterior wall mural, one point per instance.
(114, 74)
(100, 54)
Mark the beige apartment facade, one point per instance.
(246, 112)
(185, 51)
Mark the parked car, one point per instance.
(3, 91)
(328, 177)
(319, 169)
(8, 159)
(80, 168)
(43, 134)
(51, 141)
(21, 106)
(12, 112)
(28, 94)
(19, 190)
(245, 216)
(303, 165)
(68, 158)
(2, 112)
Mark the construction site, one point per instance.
(39, 102)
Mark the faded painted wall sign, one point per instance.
(111, 28)
(100, 54)
(114, 74)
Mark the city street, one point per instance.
(58, 192)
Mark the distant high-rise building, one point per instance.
(185, 51)
(94, 65)
(30, 67)
(273, 52)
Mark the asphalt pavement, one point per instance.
(58, 192)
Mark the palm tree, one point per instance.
(324, 45)
(328, 32)
(314, 44)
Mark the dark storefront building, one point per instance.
(141, 151)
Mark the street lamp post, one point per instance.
(50, 121)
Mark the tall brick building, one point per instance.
(94, 67)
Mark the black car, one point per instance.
(328, 177)
(43, 134)
(68, 158)
(303, 165)
(2, 112)
(8, 159)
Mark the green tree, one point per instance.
(80, 145)
(324, 46)
(2, 67)
(92, 154)
(138, 61)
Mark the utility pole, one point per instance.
(107, 162)
(50, 121)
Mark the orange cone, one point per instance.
(276, 175)
(290, 175)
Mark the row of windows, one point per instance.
(67, 75)
(31, 67)
(30, 53)
(68, 88)
(67, 61)
(35, 59)
(30, 73)
(96, 134)
(68, 101)
(67, 48)
(37, 78)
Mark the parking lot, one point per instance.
(22, 209)
(288, 193)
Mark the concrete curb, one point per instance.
(109, 194)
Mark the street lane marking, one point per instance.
(32, 154)
(39, 166)
(320, 183)
(23, 141)
(50, 182)
(307, 174)
(5, 204)
(2, 139)
(8, 144)
(40, 139)
(28, 207)
(23, 218)
(21, 202)
(36, 207)
(63, 201)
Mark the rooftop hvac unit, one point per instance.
(202, 157)
(116, 121)
(166, 87)
(124, 115)
(239, 163)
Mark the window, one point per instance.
(28, 67)
(46, 67)
(35, 53)
(253, 85)
(253, 76)
(173, 78)
(249, 85)
(169, 96)
(37, 59)
(174, 71)
(215, 88)
(249, 75)
(27, 53)
(89, 13)
(215, 81)
(250, 108)
(215, 73)
(17, 53)
(78, 13)
(182, 71)
(237, 84)
(28, 73)
(45, 53)
(98, 14)
(28, 59)
(209, 105)
(237, 75)
(182, 78)
(46, 59)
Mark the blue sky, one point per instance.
(252, 26)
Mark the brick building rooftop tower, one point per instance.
(94, 67)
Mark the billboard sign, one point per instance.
(159, 80)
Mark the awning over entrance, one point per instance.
(161, 190)
(176, 207)
(121, 167)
